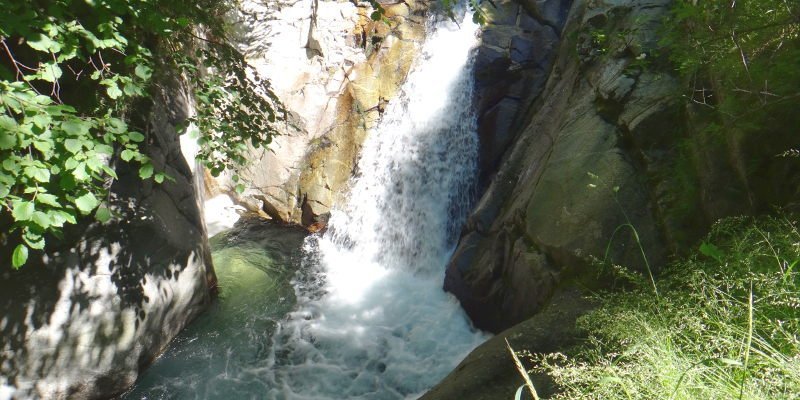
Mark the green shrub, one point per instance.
(740, 64)
(71, 73)
(725, 326)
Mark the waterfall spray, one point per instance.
(373, 321)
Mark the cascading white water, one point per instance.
(373, 321)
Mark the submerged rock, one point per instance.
(224, 352)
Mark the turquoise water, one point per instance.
(222, 354)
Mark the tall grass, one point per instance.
(725, 326)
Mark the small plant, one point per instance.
(521, 369)
(614, 189)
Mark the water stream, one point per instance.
(367, 318)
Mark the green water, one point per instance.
(221, 354)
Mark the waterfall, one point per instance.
(372, 320)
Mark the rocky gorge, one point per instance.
(585, 153)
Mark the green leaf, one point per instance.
(135, 136)
(4, 191)
(104, 149)
(44, 44)
(240, 188)
(7, 123)
(94, 163)
(86, 203)
(41, 120)
(71, 163)
(113, 91)
(8, 139)
(183, 22)
(23, 210)
(132, 89)
(20, 256)
(80, 172)
(159, 177)
(146, 171)
(43, 146)
(39, 174)
(709, 250)
(33, 240)
(116, 125)
(48, 199)
(60, 217)
(10, 165)
(75, 127)
(143, 71)
(50, 72)
(103, 214)
(110, 171)
(127, 155)
(41, 219)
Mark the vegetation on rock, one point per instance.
(73, 74)
(740, 63)
(724, 327)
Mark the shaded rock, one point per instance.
(544, 12)
(571, 179)
(495, 131)
(511, 66)
(502, 13)
(488, 372)
(499, 37)
(84, 317)
(522, 50)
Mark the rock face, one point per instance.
(334, 69)
(488, 372)
(578, 180)
(517, 48)
(82, 319)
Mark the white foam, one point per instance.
(220, 213)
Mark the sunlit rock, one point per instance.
(334, 69)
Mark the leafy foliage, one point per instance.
(725, 326)
(739, 60)
(740, 56)
(70, 74)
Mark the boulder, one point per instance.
(488, 372)
(82, 318)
